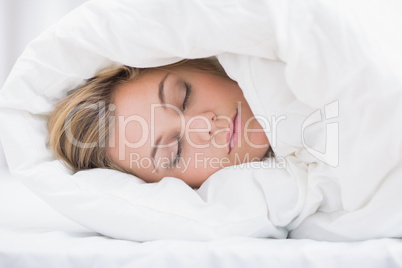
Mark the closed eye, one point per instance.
(188, 92)
(178, 154)
(179, 145)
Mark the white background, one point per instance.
(20, 22)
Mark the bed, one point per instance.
(32, 234)
(313, 60)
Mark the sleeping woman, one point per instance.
(186, 120)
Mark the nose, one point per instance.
(201, 127)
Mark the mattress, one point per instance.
(32, 234)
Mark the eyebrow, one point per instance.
(161, 96)
(161, 91)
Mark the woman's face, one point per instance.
(183, 123)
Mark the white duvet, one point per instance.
(330, 72)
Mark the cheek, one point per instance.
(203, 164)
(257, 139)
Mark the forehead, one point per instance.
(134, 95)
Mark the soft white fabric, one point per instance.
(2, 158)
(23, 20)
(35, 236)
(290, 58)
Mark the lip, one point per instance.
(232, 136)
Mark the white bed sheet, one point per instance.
(34, 235)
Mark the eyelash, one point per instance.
(188, 92)
(178, 154)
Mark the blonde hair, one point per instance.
(79, 125)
